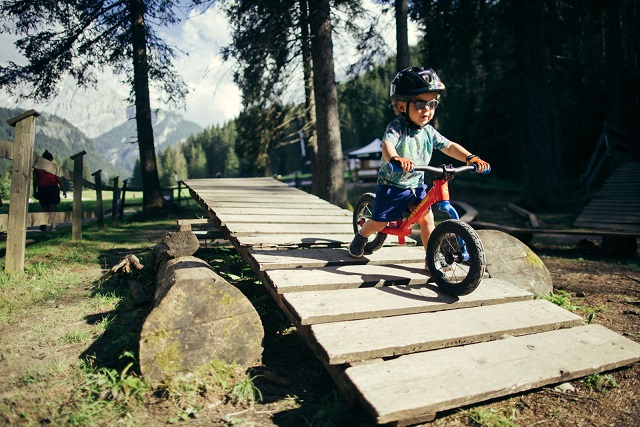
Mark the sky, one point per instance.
(213, 98)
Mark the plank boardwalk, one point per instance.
(393, 342)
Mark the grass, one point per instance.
(565, 300)
(481, 417)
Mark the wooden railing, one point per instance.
(24, 161)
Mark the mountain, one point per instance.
(94, 111)
(61, 138)
(119, 146)
(115, 152)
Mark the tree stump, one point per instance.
(514, 262)
(197, 317)
(174, 245)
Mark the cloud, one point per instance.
(213, 98)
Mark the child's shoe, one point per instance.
(356, 248)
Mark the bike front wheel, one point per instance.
(361, 213)
(455, 257)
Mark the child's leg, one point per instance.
(427, 224)
(371, 227)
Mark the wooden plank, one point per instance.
(266, 205)
(231, 219)
(615, 206)
(421, 384)
(233, 182)
(259, 241)
(309, 210)
(321, 257)
(316, 307)
(346, 277)
(237, 229)
(308, 239)
(270, 197)
(343, 342)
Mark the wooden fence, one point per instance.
(24, 160)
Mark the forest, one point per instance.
(531, 85)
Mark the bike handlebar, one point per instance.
(441, 171)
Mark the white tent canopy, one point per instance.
(373, 150)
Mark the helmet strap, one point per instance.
(405, 116)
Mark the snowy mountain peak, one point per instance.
(94, 111)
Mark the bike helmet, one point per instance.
(413, 81)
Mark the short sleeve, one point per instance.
(439, 141)
(393, 132)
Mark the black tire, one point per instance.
(361, 213)
(444, 257)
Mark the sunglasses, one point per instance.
(420, 105)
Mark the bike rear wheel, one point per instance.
(455, 257)
(361, 213)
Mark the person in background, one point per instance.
(46, 188)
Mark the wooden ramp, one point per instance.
(392, 341)
(616, 206)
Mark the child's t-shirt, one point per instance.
(416, 145)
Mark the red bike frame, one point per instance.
(438, 193)
(402, 228)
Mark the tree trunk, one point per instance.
(402, 35)
(613, 57)
(152, 194)
(539, 175)
(309, 103)
(331, 169)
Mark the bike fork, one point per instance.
(446, 207)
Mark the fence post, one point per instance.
(76, 225)
(124, 192)
(114, 202)
(21, 172)
(99, 206)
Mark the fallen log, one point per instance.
(197, 317)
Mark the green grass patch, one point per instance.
(481, 417)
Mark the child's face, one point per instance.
(423, 116)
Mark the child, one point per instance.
(415, 92)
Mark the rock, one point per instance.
(511, 260)
(565, 388)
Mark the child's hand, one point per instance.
(480, 164)
(403, 162)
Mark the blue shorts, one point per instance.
(391, 202)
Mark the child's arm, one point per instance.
(389, 153)
(458, 152)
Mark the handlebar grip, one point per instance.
(484, 172)
(395, 168)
